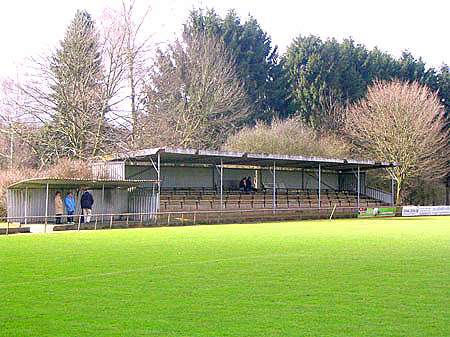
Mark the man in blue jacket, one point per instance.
(87, 200)
(69, 202)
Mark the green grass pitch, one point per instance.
(383, 277)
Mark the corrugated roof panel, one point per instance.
(77, 182)
(212, 157)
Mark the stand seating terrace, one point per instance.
(198, 199)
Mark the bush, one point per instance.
(425, 193)
(288, 137)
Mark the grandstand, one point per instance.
(173, 186)
(201, 180)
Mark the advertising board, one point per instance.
(376, 212)
(425, 210)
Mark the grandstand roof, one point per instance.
(75, 182)
(178, 156)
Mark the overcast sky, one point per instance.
(32, 27)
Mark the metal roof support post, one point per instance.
(158, 201)
(303, 178)
(46, 208)
(103, 201)
(26, 205)
(320, 185)
(447, 192)
(339, 174)
(274, 191)
(392, 191)
(358, 185)
(221, 183)
(157, 168)
(392, 187)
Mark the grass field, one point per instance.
(384, 277)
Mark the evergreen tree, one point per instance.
(77, 94)
(327, 71)
(443, 85)
(256, 60)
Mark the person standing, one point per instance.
(59, 207)
(87, 200)
(69, 201)
(248, 185)
(242, 185)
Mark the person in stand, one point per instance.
(87, 200)
(69, 201)
(59, 207)
(242, 185)
(248, 185)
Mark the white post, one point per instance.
(158, 202)
(303, 179)
(320, 185)
(46, 208)
(332, 212)
(392, 191)
(103, 204)
(221, 183)
(274, 191)
(358, 186)
(26, 205)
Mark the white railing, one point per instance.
(129, 220)
(380, 195)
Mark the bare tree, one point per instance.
(17, 147)
(329, 113)
(130, 47)
(290, 137)
(401, 122)
(195, 98)
(6, 121)
(137, 48)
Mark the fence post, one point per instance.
(110, 222)
(79, 222)
(95, 225)
(7, 227)
(194, 218)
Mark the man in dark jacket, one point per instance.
(242, 185)
(87, 200)
(249, 185)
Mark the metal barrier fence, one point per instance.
(177, 218)
(377, 194)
